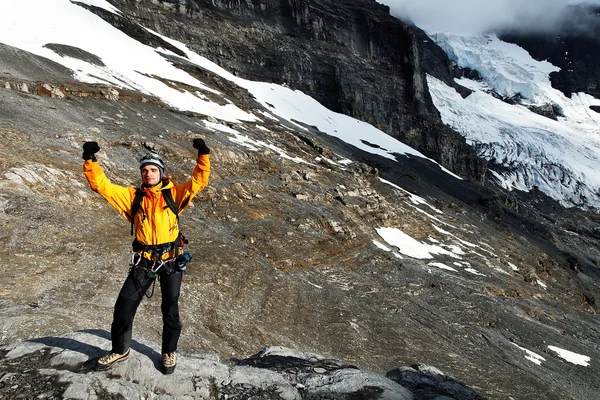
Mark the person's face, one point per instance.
(150, 175)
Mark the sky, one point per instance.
(477, 16)
(132, 65)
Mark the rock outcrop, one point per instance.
(63, 367)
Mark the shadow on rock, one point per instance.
(278, 362)
(426, 382)
(93, 351)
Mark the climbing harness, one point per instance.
(151, 269)
(151, 266)
(151, 259)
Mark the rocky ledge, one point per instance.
(63, 367)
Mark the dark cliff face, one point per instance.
(352, 57)
(575, 50)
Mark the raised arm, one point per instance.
(184, 192)
(121, 198)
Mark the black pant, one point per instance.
(130, 297)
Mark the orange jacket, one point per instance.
(154, 223)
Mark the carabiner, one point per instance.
(160, 263)
(135, 263)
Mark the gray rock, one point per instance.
(67, 364)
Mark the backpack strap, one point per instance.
(168, 196)
(136, 206)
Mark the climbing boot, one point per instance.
(169, 361)
(107, 361)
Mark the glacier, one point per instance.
(525, 150)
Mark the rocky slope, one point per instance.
(286, 253)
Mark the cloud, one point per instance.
(478, 16)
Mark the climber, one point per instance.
(153, 209)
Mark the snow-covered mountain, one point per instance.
(137, 67)
(558, 150)
(561, 157)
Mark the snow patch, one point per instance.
(542, 284)
(442, 266)
(409, 246)
(573, 358)
(531, 356)
(381, 246)
(474, 271)
(513, 266)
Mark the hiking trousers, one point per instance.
(130, 297)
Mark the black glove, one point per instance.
(201, 146)
(89, 150)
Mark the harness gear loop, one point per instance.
(154, 262)
(150, 267)
(157, 265)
